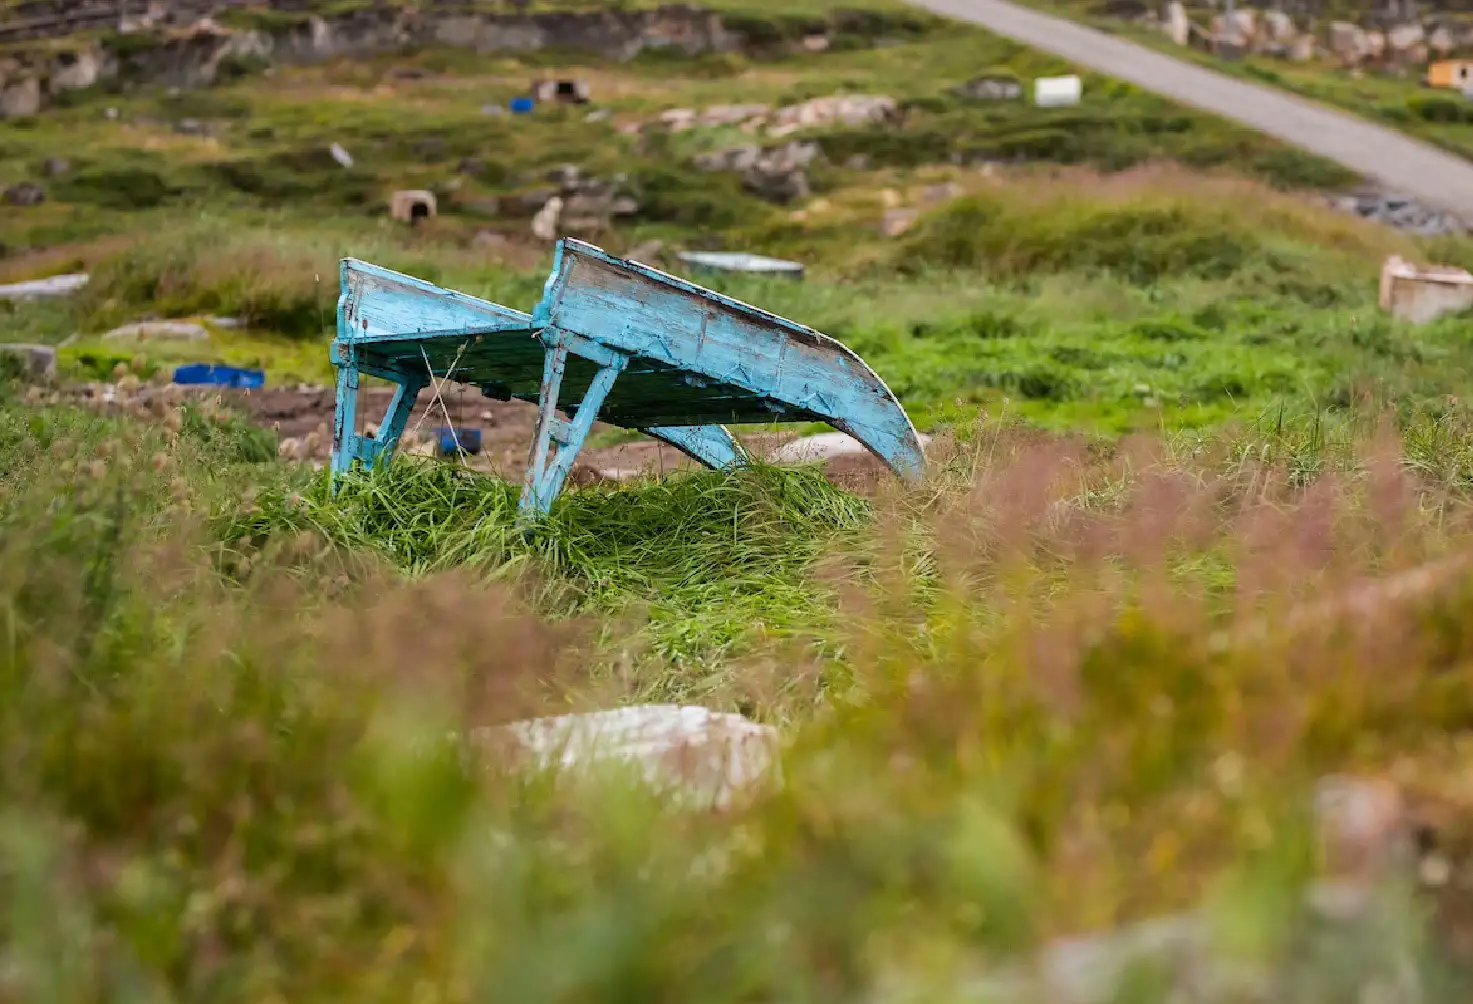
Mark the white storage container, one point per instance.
(1054, 92)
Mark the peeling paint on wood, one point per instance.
(610, 340)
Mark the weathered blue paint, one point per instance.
(546, 473)
(712, 445)
(741, 364)
(610, 340)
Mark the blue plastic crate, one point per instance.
(215, 375)
(470, 441)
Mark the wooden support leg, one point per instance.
(347, 444)
(712, 445)
(345, 416)
(383, 444)
(556, 443)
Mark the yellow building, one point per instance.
(1454, 73)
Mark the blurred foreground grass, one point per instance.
(1004, 713)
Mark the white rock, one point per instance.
(160, 331)
(1278, 26)
(343, 157)
(699, 757)
(824, 446)
(851, 110)
(544, 224)
(35, 289)
(1406, 36)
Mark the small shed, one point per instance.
(1456, 74)
(412, 206)
(564, 92)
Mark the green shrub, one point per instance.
(1440, 108)
(229, 436)
(708, 201)
(268, 284)
(117, 188)
(304, 175)
(1141, 241)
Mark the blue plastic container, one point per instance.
(470, 441)
(522, 106)
(219, 376)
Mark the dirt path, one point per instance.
(1406, 165)
(303, 416)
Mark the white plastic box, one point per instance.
(1055, 92)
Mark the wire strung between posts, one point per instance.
(438, 385)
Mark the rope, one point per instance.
(438, 385)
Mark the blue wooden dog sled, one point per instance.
(610, 340)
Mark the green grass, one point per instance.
(1101, 304)
(225, 704)
(1012, 700)
(1103, 309)
(270, 135)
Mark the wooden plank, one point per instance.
(648, 313)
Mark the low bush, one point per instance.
(117, 188)
(268, 284)
(1143, 226)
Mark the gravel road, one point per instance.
(1398, 162)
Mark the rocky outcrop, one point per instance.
(193, 56)
(1398, 211)
(779, 174)
(1295, 32)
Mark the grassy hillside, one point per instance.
(1075, 679)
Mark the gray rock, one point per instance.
(38, 362)
(991, 88)
(897, 221)
(160, 331)
(567, 177)
(737, 158)
(25, 194)
(20, 98)
(528, 203)
(56, 166)
(1400, 212)
(780, 175)
(490, 240)
(647, 253)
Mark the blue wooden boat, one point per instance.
(610, 340)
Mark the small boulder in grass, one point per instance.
(699, 758)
